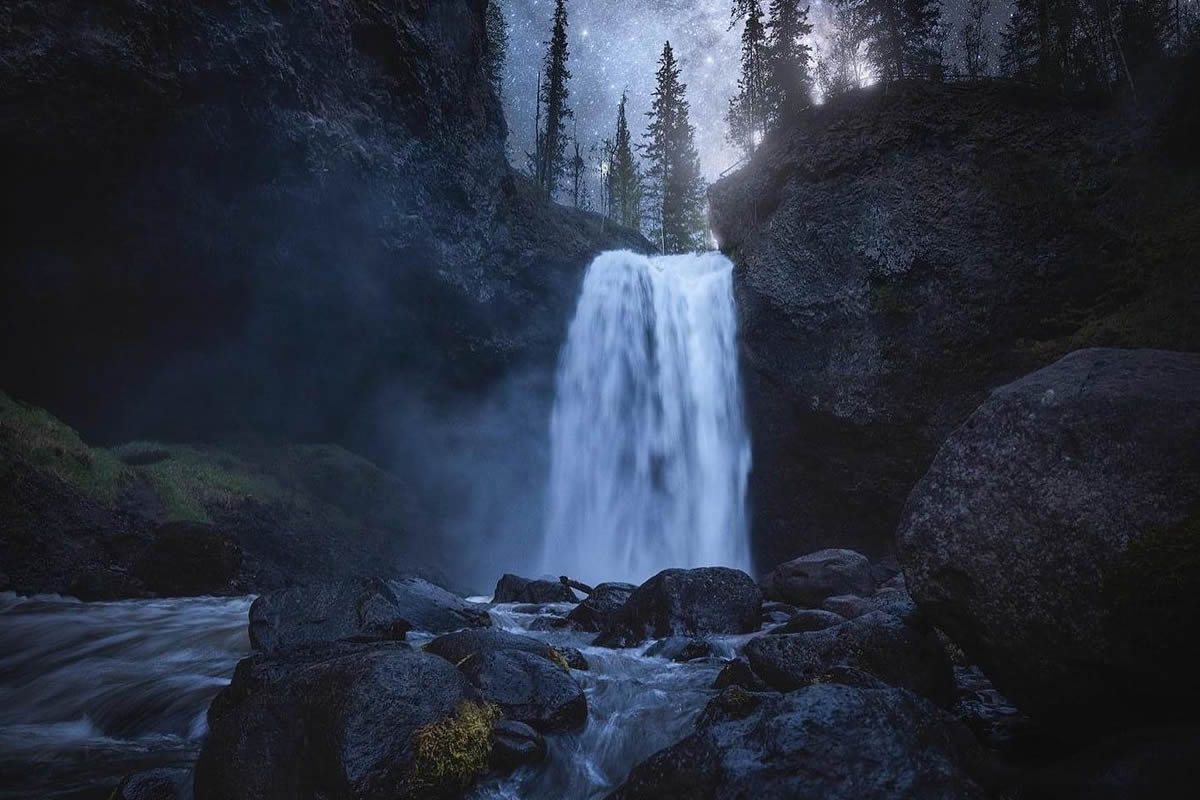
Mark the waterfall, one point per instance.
(649, 449)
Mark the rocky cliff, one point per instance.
(243, 215)
(899, 253)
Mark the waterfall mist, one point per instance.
(649, 452)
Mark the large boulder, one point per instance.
(902, 250)
(687, 602)
(528, 680)
(600, 609)
(361, 610)
(515, 589)
(832, 742)
(876, 643)
(1056, 537)
(341, 720)
(429, 607)
(807, 580)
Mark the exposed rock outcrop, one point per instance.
(1056, 539)
(210, 190)
(903, 250)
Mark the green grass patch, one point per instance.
(34, 436)
(192, 480)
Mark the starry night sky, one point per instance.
(615, 45)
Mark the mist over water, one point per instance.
(649, 448)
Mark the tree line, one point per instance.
(655, 184)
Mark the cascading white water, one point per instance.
(649, 449)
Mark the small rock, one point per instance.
(812, 619)
(738, 673)
(681, 648)
(515, 744)
(848, 606)
(775, 613)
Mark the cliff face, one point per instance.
(900, 253)
(263, 216)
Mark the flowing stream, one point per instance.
(649, 449)
(90, 692)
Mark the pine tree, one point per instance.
(749, 109)
(788, 82)
(578, 187)
(974, 39)
(903, 37)
(624, 178)
(497, 45)
(677, 190)
(841, 69)
(552, 96)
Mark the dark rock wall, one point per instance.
(899, 253)
(263, 216)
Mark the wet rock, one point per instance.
(515, 589)
(187, 559)
(574, 657)
(991, 716)
(429, 607)
(809, 620)
(333, 720)
(808, 580)
(362, 610)
(687, 602)
(1056, 538)
(515, 744)
(848, 606)
(826, 741)
(876, 643)
(774, 613)
(529, 680)
(550, 623)
(599, 610)
(155, 784)
(681, 649)
(738, 673)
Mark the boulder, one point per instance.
(876, 643)
(599, 609)
(831, 742)
(189, 558)
(529, 680)
(687, 602)
(806, 581)
(163, 783)
(429, 607)
(515, 589)
(362, 610)
(341, 720)
(738, 674)
(515, 744)
(809, 620)
(1056, 538)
